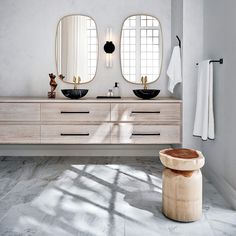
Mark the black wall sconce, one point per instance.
(109, 47)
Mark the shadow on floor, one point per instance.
(146, 200)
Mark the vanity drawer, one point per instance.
(145, 134)
(75, 134)
(19, 112)
(75, 112)
(162, 112)
(20, 134)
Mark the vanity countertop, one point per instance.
(86, 100)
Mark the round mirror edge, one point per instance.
(56, 48)
(162, 45)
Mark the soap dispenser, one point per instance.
(116, 90)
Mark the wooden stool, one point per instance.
(182, 184)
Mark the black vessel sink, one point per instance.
(146, 93)
(74, 93)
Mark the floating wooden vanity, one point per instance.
(90, 121)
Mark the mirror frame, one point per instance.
(55, 48)
(161, 47)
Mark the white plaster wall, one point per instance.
(27, 37)
(177, 29)
(192, 52)
(220, 41)
(187, 23)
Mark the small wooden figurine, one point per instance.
(53, 84)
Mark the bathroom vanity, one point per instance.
(90, 121)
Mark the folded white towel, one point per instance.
(204, 117)
(174, 70)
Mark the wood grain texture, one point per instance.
(182, 195)
(95, 112)
(184, 153)
(180, 163)
(132, 112)
(75, 134)
(19, 134)
(144, 134)
(106, 121)
(19, 112)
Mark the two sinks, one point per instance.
(141, 93)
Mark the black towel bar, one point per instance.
(221, 61)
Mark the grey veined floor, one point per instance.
(96, 196)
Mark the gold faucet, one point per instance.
(76, 81)
(144, 82)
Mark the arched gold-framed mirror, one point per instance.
(141, 48)
(76, 48)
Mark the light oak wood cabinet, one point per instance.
(65, 112)
(144, 134)
(19, 111)
(19, 134)
(146, 112)
(76, 134)
(89, 121)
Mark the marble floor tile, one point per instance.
(97, 196)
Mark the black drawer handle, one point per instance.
(74, 112)
(145, 112)
(146, 134)
(81, 134)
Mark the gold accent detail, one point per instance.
(144, 81)
(76, 81)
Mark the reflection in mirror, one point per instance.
(76, 48)
(141, 48)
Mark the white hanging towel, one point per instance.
(204, 117)
(174, 70)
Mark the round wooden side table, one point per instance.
(182, 184)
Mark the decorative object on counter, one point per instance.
(109, 47)
(182, 184)
(110, 93)
(116, 90)
(53, 84)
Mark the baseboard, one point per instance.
(81, 150)
(227, 191)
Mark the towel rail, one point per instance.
(221, 61)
